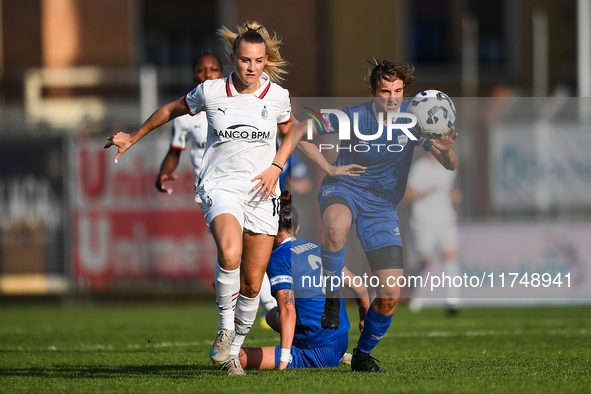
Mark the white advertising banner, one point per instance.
(504, 264)
(539, 166)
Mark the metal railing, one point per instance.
(74, 110)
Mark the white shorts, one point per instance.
(259, 217)
(198, 200)
(432, 238)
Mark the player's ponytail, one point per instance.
(288, 215)
(255, 33)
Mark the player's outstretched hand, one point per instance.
(268, 181)
(445, 143)
(122, 141)
(281, 366)
(348, 170)
(160, 182)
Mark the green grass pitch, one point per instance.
(164, 348)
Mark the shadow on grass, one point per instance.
(173, 371)
(126, 371)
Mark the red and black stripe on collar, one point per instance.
(266, 90)
(229, 91)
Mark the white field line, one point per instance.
(275, 339)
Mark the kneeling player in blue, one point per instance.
(370, 199)
(295, 274)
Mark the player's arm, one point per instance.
(456, 196)
(441, 149)
(169, 164)
(269, 178)
(283, 128)
(361, 296)
(124, 141)
(311, 150)
(412, 194)
(285, 149)
(287, 321)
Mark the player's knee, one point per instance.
(229, 256)
(250, 288)
(385, 306)
(334, 241)
(336, 232)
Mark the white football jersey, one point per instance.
(242, 131)
(427, 174)
(193, 128)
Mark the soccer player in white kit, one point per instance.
(431, 189)
(206, 66)
(238, 181)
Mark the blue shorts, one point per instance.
(376, 229)
(328, 355)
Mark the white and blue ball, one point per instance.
(435, 113)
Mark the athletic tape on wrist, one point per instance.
(285, 355)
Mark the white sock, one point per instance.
(452, 296)
(268, 302)
(246, 314)
(227, 287)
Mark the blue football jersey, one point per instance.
(383, 183)
(297, 265)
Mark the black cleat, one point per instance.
(364, 362)
(330, 314)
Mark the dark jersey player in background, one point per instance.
(206, 66)
(370, 200)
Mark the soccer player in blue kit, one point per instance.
(295, 274)
(370, 200)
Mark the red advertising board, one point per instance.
(123, 228)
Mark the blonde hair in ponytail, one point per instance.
(254, 32)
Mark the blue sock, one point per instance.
(332, 265)
(374, 327)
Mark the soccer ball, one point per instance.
(435, 112)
